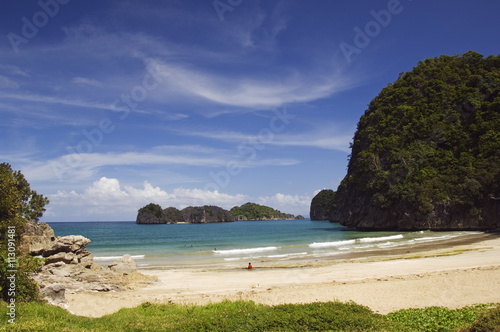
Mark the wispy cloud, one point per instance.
(13, 70)
(87, 81)
(266, 91)
(328, 136)
(7, 83)
(84, 166)
(60, 101)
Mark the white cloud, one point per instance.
(87, 81)
(106, 199)
(263, 92)
(294, 204)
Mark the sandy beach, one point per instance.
(453, 273)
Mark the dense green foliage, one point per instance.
(439, 319)
(252, 211)
(152, 209)
(488, 321)
(430, 139)
(18, 204)
(323, 205)
(248, 316)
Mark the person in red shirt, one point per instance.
(249, 266)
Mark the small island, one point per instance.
(155, 214)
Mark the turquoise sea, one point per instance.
(233, 244)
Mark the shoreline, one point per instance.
(453, 273)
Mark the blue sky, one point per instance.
(106, 106)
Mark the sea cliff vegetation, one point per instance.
(323, 205)
(426, 152)
(155, 214)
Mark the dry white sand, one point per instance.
(454, 277)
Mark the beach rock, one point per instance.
(70, 243)
(69, 267)
(124, 265)
(87, 261)
(36, 236)
(66, 257)
(55, 294)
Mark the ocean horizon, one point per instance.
(233, 244)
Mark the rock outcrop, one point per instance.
(69, 267)
(124, 265)
(36, 236)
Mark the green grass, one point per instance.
(249, 316)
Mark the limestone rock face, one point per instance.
(443, 217)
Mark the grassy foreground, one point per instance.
(249, 316)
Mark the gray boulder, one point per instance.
(124, 265)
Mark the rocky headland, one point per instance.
(426, 152)
(68, 267)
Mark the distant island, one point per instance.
(426, 152)
(155, 214)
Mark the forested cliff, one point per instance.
(426, 152)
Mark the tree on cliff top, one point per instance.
(18, 204)
(428, 146)
(253, 211)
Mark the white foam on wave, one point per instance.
(433, 238)
(331, 244)
(109, 258)
(381, 238)
(231, 252)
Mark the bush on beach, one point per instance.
(249, 316)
